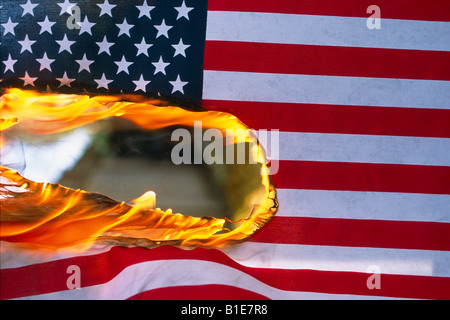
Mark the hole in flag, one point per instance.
(127, 170)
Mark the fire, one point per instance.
(54, 216)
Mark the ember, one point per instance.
(51, 215)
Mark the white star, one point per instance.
(180, 48)
(145, 9)
(104, 46)
(28, 8)
(26, 44)
(142, 47)
(45, 62)
(141, 83)
(46, 25)
(86, 26)
(178, 85)
(84, 63)
(160, 66)
(65, 80)
(65, 44)
(66, 7)
(9, 27)
(123, 65)
(163, 29)
(103, 82)
(9, 63)
(106, 8)
(183, 11)
(124, 27)
(28, 80)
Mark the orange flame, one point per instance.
(68, 217)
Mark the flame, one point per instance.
(54, 216)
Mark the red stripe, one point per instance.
(356, 233)
(437, 10)
(101, 268)
(319, 175)
(326, 60)
(202, 292)
(297, 117)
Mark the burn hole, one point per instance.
(91, 161)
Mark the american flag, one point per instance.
(364, 120)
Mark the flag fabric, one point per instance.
(361, 99)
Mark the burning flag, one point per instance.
(55, 216)
(120, 62)
(359, 92)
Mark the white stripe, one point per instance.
(362, 148)
(14, 255)
(364, 205)
(291, 88)
(168, 273)
(334, 258)
(327, 30)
